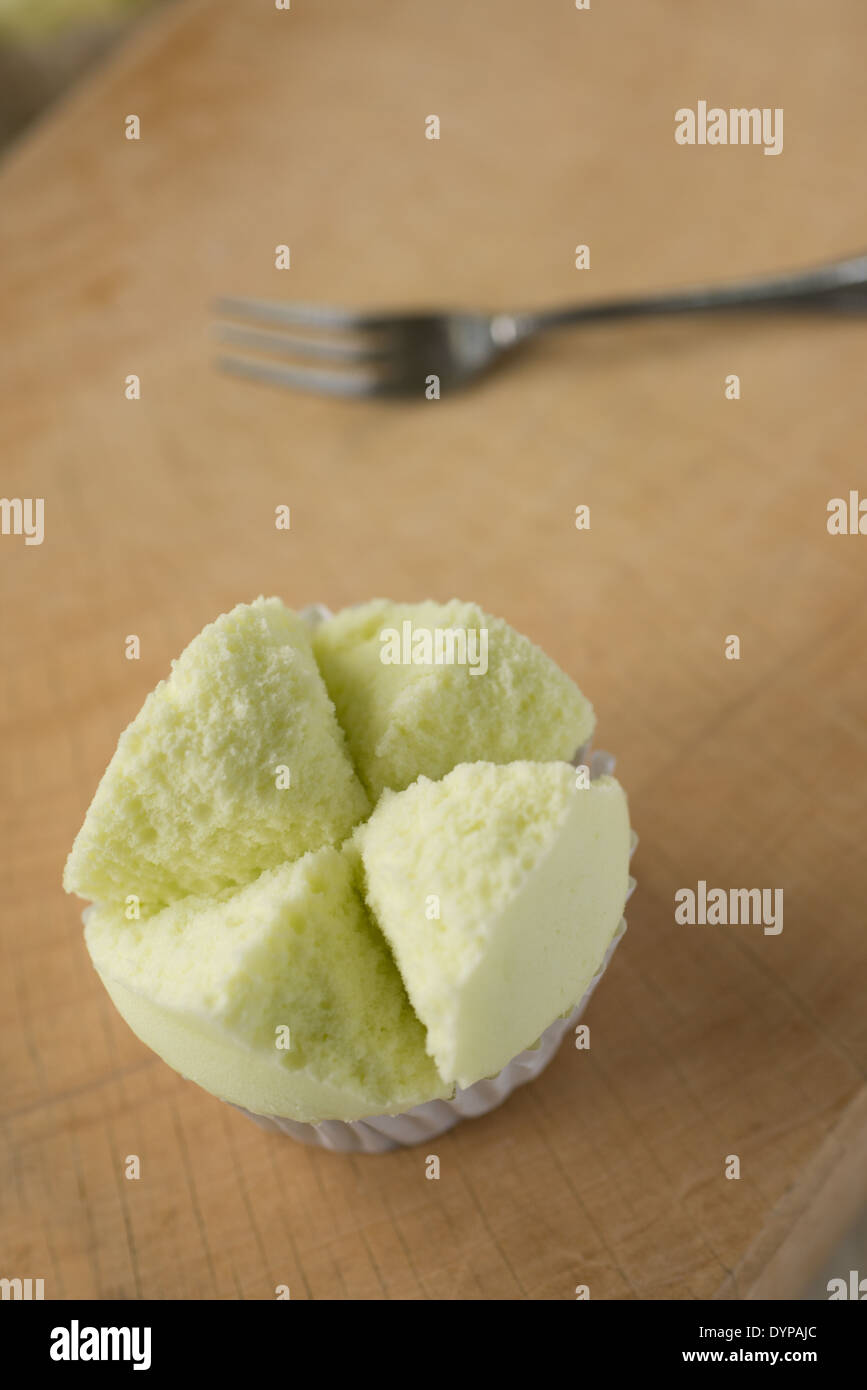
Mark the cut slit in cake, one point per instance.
(193, 800)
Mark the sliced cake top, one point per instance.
(282, 997)
(499, 890)
(234, 764)
(421, 687)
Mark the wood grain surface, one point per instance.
(708, 518)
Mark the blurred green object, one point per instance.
(46, 45)
(30, 20)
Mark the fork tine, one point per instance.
(303, 315)
(302, 345)
(311, 378)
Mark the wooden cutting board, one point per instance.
(707, 519)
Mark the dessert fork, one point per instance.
(349, 352)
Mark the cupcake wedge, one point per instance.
(419, 688)
(282, 997)
(499, 889)
(234, 764)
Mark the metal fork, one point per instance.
(347, 352)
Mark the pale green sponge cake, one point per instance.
(214, 985)
(403, 718)
(499, 889)
(329, 886)
(233, 765)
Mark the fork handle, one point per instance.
(840, 287)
